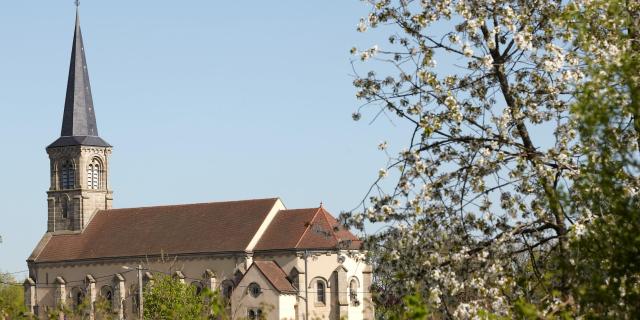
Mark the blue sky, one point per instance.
(203, 101)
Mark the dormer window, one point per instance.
(93, 174)
(67, 175)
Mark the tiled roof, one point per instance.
(196, 228)
(180, 229)
(276, 276)
(312, 228)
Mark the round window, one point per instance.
(254, 289)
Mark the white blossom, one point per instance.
(362, 26)
(466, 49)
(492, 140)
(487, 61)
(523, 40)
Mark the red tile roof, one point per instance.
(276, 276)
(312, 228)
(179, 229)
(196, 228)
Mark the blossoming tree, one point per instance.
(489, 192)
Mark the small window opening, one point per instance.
(254, 289)
(320, 291)
(65, 208)
(107, 293)
(353, 292)
(79, 298)
(254, 313)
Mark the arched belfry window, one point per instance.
(67, 175)
(94, 172)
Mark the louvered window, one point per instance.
(67, 175)
(93, 175)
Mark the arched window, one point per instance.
(64, 206)
(320, 291)
(67, 175)
(353, 292)
(78, 297)
(93, 174)
(106, 292)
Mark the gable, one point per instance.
(271, 272)
(312, 228)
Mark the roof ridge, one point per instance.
(189, 204)
(307, 229)
(299, 209)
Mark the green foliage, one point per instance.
(11, 298)
(168, 298)
(101, 310)
(413, 306)
(605, 249)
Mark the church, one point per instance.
(300, 263)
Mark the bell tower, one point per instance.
(79, 159)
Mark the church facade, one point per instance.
(265, 259)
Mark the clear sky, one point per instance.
(202, 100)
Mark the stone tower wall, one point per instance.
(71, 209)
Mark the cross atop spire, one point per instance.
(79, 125)
(77, 3)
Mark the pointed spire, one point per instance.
(79, 125)
(79, 116)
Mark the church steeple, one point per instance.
(79, 126)
(79, 159)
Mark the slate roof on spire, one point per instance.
(79, 125)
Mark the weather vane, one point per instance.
(77, 3)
